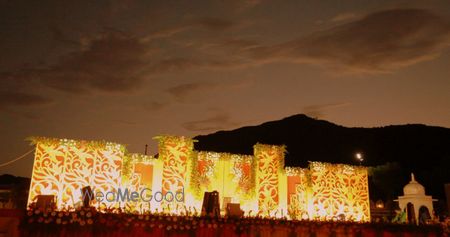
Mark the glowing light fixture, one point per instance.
(359, 157)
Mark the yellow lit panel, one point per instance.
(339, 190)
(175, 152)
(269, 160)
(62, 167)
(231, 175)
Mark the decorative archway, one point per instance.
(424, 215)
(410, 213)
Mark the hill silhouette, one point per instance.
(393, 151)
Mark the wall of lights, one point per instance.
(339, 190)
(298, 192)
(269, 162)
(231, 175)
(176, 154)
(62, 167)
(260, 183)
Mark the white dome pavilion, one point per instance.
(413, 187)
(414, 200)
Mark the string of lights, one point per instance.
(16, 159)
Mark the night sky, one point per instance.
(126, 71)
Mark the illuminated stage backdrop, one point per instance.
(176, 154)
(270, 164)
(231, 175)
(62, 167)
(260, 183)
(298, 192)
(142, 172)
(339, 190)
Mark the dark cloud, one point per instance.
(59, 36)
(319, 111)
(215, 24)
(238, 45)
(174, 64)
(188, 91)
(346, 16)
(219, 121)
(184, 91)
(206, 23)
(155, 105)
(240, 5)
(166, 32)
(111, 63)
(115, 61)
(11, 99)
(381, 41)
(124, 122)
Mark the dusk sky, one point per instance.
(126, 71)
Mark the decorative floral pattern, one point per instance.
(175, 152)
(230, 174)
(323, 191)
(243, 174)
(62, 167)
(340, 190)
(269, 160)
(204, 171)
(298, 190)
(48, 172)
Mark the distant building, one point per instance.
(381, 211)
(13, 192)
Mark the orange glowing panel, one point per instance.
(62, 167)
(243, 174)
(146, 172)
(340, 190)
(269, 160)
(229, 174)
(107, 172)
(78, 172)
(48, 170)
(297, 188)
(175, 153)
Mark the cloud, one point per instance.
(184, 91)
(59, 36)
(124, 122)
(155, 105)
(379, 42)
(11, 99)
(236, 45)
(115, 61)
(318, 111)
(214, 24)
(219, 121)
(174, 64)
(344, 17)
(243, 5)
(111, 63)
(207, 23)
(382, 41)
